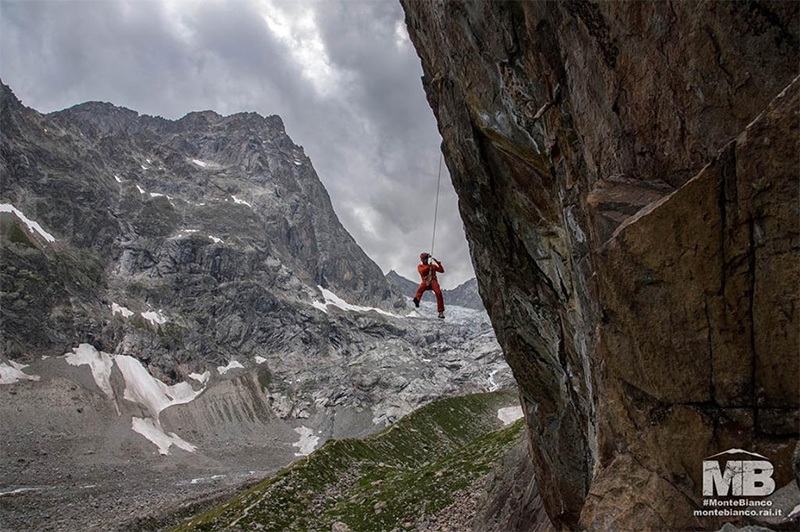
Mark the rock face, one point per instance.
(154, 214)
(637, 165)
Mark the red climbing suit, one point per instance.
(429, 282)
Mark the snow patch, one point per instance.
(203, 480)
(155, 195)
(241, 202)
(18, 491)
(493, 386)
(298, 163)
(320, 306)
(99, 362)
(12, 372)
(32, 226)
(307, 442)
(126, 313)
(153, 432)
(142, 388)
(509, 414)
(233, 364)
(215, 239)
(336, 301)
(154, 317)
(201, 378)
(117, 178)
(198, 162)
(259, 359)
(140, 189)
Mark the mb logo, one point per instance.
(748, 478)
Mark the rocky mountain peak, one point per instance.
(7, 96)
(149, 202)
(95, 119)
(10, 109)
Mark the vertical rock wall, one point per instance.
(630, 196)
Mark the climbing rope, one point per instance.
(436, 208)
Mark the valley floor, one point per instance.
(57, 484)
(65, 492)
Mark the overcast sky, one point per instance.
(341, 73)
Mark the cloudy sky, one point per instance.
(341, 73)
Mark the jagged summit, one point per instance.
(10, 108)
(101, 118)
(7, 93)
(241, 119)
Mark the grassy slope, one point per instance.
(380, 483)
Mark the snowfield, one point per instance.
(142, 389)
(241, 202)
(32, 226)
(336, 301)
(202, 378)
(154, 317)
(509, 414)
(126, 312)
(233, 364)
(100, 363)
(153, 432)
(9, 374)
(146, 390)
(307, 442)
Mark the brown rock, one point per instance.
(630, 197)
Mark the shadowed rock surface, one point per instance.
(636, 165)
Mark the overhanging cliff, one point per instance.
(629, 192)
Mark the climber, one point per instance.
(429, 282)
